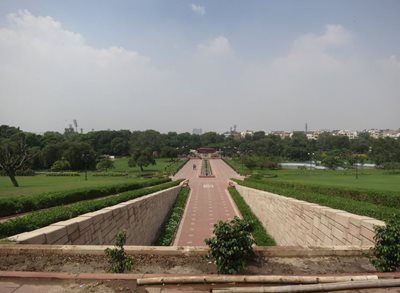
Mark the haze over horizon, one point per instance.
(178, 65)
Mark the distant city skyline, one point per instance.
(179, 65)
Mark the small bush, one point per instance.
(168, 230)
(21, 204)
(65, 174)
(386, 253)
(118, 260)
(26, 172)
(49, 216)
(108, 174)
(260, 235)
(60, 165)
(231, 247)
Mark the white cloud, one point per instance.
(50, 75)
(200, 10)
(218, 46)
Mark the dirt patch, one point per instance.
(156, 264)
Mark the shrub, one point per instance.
(109, 174)
(260, 235)
(105, 164)
(60, 165)
(386, 253)
(231, 247)
(21, 204)
(26, 172)
(64, 174)
(49, 216)
(118, 260)
(169, 228)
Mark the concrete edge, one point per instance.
(275, 251)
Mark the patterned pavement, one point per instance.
(208, 202)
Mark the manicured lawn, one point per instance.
(30, 185)
(371, 179)
(162, 165)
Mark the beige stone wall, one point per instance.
(295, 222)
(141, 217)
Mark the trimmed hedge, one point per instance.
(44, 218)
(170, 226)
(107, 174)
(182, 163)
(27, 172)
(65, 174)
(22, 204)
(386, 198)
(261, 237)
(350, 205)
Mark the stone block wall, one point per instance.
(293, 222)
(141, 218)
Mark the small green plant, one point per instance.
(118, 260)
(231, 247)
(386, 253)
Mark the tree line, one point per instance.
(83, 150)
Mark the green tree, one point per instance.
(15, 155)
(141, 158)
(80, 155)
(61, 165)
(105, 164)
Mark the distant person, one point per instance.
(194, 166)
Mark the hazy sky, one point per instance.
(177, 65)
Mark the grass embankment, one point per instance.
(368, 203)
(49, 216)
(22, 204)
(170, 226)
(39, 184)
(238, 166)
(260, 235)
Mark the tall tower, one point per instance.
(306, 128)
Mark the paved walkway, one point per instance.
(208, 203)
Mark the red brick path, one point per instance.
(208, 202)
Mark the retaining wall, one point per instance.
(141, 217)
(294, 222)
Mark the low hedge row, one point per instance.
(170, 226)
(350, 205)
(261, 237)
(108, 174)
(21, 204)
(65, 174)
(385, 198)
(27, 172)
(52, 215)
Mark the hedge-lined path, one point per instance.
(209, 202)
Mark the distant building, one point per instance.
(243, 134)
(197, 131)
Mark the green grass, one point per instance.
(162, 165)
(364, 208)
(46, 217)
(33, 185)
(371, 179)
(170, 227)
(260, 235)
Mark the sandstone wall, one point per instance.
(141, 217)
(295, 222)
